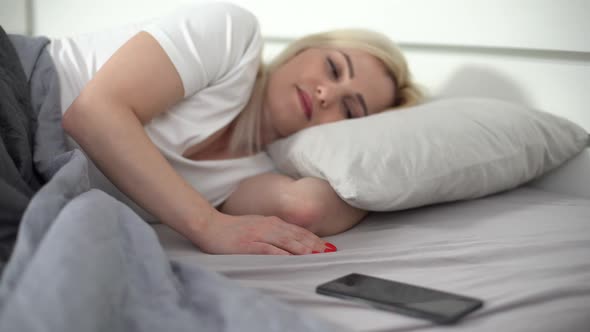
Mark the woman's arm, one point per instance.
(137, 83)
(308, 202)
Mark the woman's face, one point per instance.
(323, 85)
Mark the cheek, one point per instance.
(277, 107)
(275, 91)
(303, 70)
(329, 116)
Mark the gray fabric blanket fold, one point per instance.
(84, 261)
(18, 177)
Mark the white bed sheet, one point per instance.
(526, 253)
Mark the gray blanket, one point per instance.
(18, 178)
(83, 261)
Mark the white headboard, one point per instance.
(534, 52)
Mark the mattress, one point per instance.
(525, 252)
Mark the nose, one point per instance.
(327, 94)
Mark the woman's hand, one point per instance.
(225, 234)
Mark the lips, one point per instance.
(306, 104)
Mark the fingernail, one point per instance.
(315, 252)
(331, 246)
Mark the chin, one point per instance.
(284, 124)
(286, 132)
(283, 116)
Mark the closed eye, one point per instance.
(333, 69)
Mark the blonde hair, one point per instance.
(246, 131)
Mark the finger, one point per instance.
(298, 240)
(261, 248)
(295, 239)
(280, 234)
(307, 238)
(288, 242)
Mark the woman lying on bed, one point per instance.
(179, 116)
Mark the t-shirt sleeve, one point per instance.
(205, 41)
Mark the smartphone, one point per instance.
(434, 305)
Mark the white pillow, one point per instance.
(440, 151)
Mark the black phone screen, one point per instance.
(435, 305)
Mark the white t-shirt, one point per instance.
(216, 49)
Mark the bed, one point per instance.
(525, 251)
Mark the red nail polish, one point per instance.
(331, 246)
(315, 252)
(329, 250)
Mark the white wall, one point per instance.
(495, 23)
(530, 51)
(57, 18)
(14, 16)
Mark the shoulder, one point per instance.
(232, 9)
(213, 27)
(208, 20)
(207, 41)
(220, 13)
